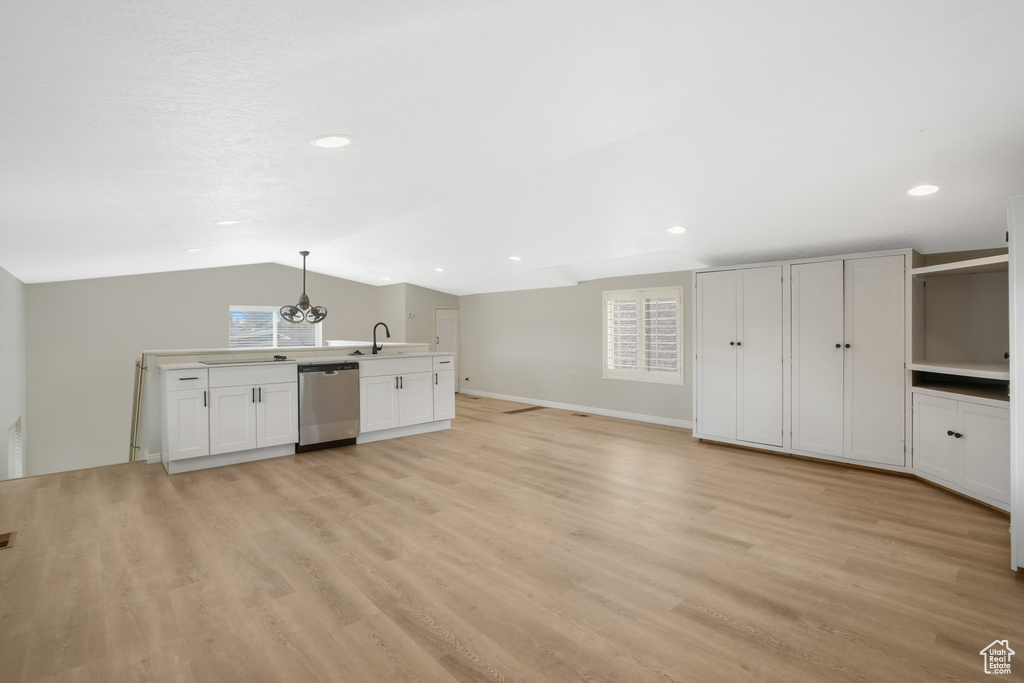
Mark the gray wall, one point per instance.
(85, 335)
(12, 362)
(421, 302)
(526, 343)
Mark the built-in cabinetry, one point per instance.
(848, 332)
(739, 355)
(402, 392)
(959, 374)
(230, 414)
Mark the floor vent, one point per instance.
(7, 540)
(579, 415)
(524, 410)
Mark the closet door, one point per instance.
(759, 356)
(817, 371)
(874, 362)
(716, 354)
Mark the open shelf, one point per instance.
(987, 264)
(982, 369)
(992, 392)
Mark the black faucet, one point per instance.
(386, 331)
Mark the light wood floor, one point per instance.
(538, 546)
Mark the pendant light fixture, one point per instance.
(302, 311)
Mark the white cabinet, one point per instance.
(964, 444)
(398, 392)
(253, 407)
(185, 419)
(848, 332)
(739, 355)
(444, 387)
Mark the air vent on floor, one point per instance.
(579, 415)
(524, 410)
(7, 540)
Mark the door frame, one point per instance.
(458, 339)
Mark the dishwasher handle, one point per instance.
(330, 372)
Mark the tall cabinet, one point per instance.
(848, 350)
(739, 355)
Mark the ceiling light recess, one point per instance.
(676, 230)
(231, 222)
(332, 141)
(440, 270)
(922, 190)
(515, 258)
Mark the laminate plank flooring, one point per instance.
(533, 546)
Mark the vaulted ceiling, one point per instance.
(569, 133)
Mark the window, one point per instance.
(643, 335)
(261, 327)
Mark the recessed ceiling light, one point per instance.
(440, 270)
(228, 222)
(515, 258)
(195, 250)
(922, 190)
(332, 141)
(676, 230)
(386, 278)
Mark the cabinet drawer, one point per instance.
(444, 363)
(394, 366)
(181, 380)
(253, 375)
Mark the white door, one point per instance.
(444, 395)
(874, 371)
(446, 339)
(936, 451)
(759, 354)
(188, 424)
(817, 371)
(378, 403)
(232, 419)
(986, 444)
(277, 414)
(716, 354)
(416, 398)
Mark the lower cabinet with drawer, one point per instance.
(397, 393)
(224, 415)
(963, 444)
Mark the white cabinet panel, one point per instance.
(186, 427)
(277, 415)
(875, 377)
(716, 354)
(416, 398)
(986, 440)
(232, 419)
(817, 338)
(378, 403)
(759, 356)
(444, 395)
(936, 451)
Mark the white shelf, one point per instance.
(980, 369)
(988, 264)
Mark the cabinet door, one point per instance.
(716, 354)
(759, 356)
(416, 398)
(874, 371)
(187, 423)
(277, 414)
(378, 403)
(232, 419)
(986, 444)
(817, 371)
(444, 395)
(936, 452)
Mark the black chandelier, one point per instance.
(303, 311)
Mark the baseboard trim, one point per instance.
(653, 419)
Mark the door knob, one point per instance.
(958, 435)
(732, 343)
(739, 343)
(847, 346)
(949, 433)
(839, 346)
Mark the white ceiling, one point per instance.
(567, 132)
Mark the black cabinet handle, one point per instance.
(949, 433)
(401, 382)
(254, 394)
(847, 346)
(435, 378)
(204, 399)
(185, 379)
(261, 394)
(396, 382)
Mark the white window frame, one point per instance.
(318, 330)
(641, 373)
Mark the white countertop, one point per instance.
(327, 358)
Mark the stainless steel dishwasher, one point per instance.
(328, 405)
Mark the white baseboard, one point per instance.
(152, 458)
(409, 430)
(654, 419)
